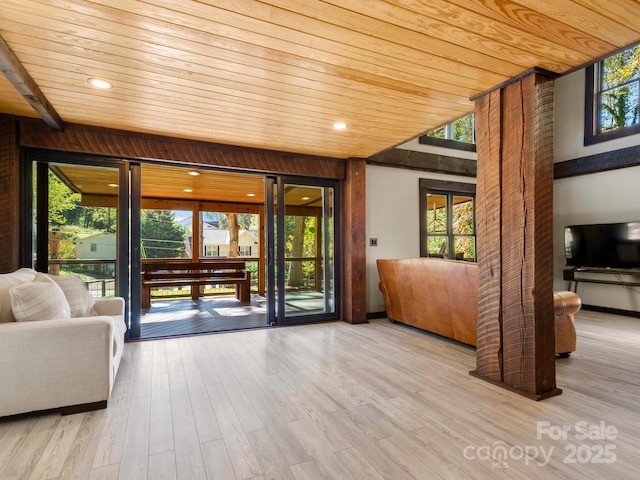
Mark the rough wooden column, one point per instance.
(354, 288)
(514, 137)
(9, 194)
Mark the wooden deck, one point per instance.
(337, 401)
(180, 316)
(173, 317)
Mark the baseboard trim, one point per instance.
(84, 407)
(614, 311)
(372, 315)
(68, 410)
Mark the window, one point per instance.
(447, 218)
(94, 247)
(460, 130)
(459, 134)
(612, 106)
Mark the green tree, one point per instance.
(234, 228)
(62, 201)
(300, 242)
(460, 130)
(620, 89)
(99, 218)
(439, 132)
(463, 129)
(162, 237)
(246, 221)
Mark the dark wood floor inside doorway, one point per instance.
(168, 318)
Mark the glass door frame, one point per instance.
(41, 159)
(276, 260)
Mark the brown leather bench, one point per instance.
(157, 274)
(441, 296)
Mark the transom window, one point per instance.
(447, 214)
(460, 130)
(613, 97)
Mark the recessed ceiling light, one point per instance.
(251, 194)
(115, 185)
(305, 198)
(187, 190)
(193, 173)
(339, 125)
(99, 83)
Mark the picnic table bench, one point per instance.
(156, 274)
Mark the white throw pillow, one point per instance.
(38, 301)
(42, 277)
(80, 300)
(8, 280)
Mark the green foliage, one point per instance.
(246, 221)
(439, 132)
(102, 219)
(61, 201)
(437, 220)
(465, 245)
(460, 130)
(620, 90)
(463, 129)
(463, 218)
(308, 239)
(462, 231)
(300, 242)
(162, 237)
(65, 209)
(62, 243)
(621, 68)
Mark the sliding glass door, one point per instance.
(302, 246)
(103, 218)
(80, 223)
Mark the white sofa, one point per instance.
(68, 361)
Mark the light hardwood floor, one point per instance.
(336, 401)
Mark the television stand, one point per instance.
(569, 274)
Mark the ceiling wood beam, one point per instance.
(429, 162)
(600, 162)
(25, 85)
(446, 143)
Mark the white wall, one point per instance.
(393, 218)
(416, 146)
(607, 197)
(614, 196)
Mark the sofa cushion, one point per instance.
(75, 290)
(38, 301)
(8, 280)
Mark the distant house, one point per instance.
(100, 246)
(216, 243)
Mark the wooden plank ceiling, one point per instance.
(99, 186)
(276, 74)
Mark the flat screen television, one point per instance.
(603, 245)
